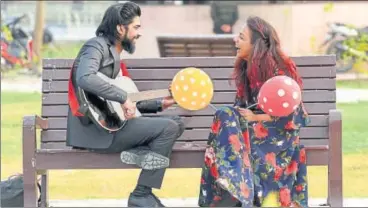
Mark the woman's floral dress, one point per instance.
(245, 161)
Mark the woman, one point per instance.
(251, 154)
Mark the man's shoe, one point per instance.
(144, 158)
(149, 200)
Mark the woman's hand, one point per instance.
(167, 102)
(248, 114)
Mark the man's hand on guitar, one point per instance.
(129, 109)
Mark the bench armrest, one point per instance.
(29, 148)
(335, 159)
(29, 143)
(35, 121)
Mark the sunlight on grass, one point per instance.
(354, 84)
(83, 184)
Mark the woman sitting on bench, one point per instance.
(251, 155)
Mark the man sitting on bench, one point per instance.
(118, 31)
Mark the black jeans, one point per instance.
(158, 133)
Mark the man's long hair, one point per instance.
(117, 14)
(266, 57)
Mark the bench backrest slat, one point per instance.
(319, 95)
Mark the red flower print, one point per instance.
(285, 198)
(216, 126)
(233, 198)
(234, 141)
(244, 189)
(214, 172)
(209, 157)
(217, 198)
(207, 161)
(292, 168)
(246, 141)
(271, 158)
(299, 188)
(260, 131)
(302, 156)
(290, 125)
(278, 173)
(246, 159)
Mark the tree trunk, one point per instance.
(38, 40)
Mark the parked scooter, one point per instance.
(17, 45)
(338, 38)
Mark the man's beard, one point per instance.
(128, 45)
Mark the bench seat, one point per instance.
(322, 137)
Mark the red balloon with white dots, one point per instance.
(279, 96)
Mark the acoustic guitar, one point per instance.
(114, 108)
(192, 90)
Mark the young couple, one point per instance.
(249, 154)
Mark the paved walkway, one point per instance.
(182, 202)
(34, 85)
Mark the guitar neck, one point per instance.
(148, 95)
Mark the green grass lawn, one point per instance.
(82, 184)
(354, 84)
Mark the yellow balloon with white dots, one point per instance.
(192, 89)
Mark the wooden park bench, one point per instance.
(196, 46)
(322, 137)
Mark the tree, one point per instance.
(38, 40)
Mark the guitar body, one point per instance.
(126, 84)
(115, 109)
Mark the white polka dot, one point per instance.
(209, 80)
(262, 106)
(182, 78)
(288, 81)
(204, 95)
(183, 99)
(281, 92)
(203, 104)
(285, 105)
(190, 71)
(193, 103)
(201, 72)
(192, 80)
(265, 99)
(270, 110)
(194, 94)
(203, 83)
(185, 87)
(177, 87)
(295, 107)
(295, 95)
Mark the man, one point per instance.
(118, 31)
(224, 15)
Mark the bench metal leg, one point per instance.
(335, 191)
(44, 189)
(29, 162)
